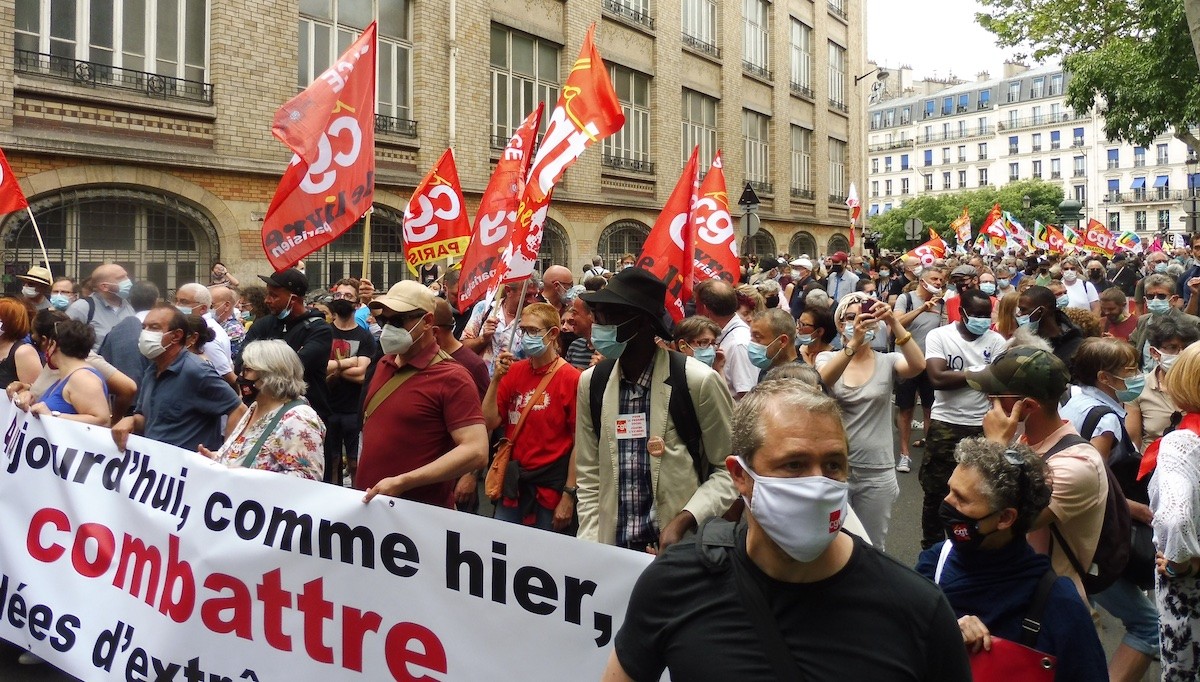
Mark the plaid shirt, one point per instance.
(635, 493)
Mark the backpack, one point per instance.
(1112, 547)
(680, 407)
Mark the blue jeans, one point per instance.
(544, 519)
(1137, 613)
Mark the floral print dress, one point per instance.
(295, 447)
(1175, 499)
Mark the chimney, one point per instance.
(982, 77)
(1012, 68)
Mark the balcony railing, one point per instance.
(1042, 120)
(1146, 196)
(801, 193)
(837, 201)
(620, 9)
(1139, 162)
(838, 10)
(622, 163)
(95, 75)
(761, 186)
(1077, 142)
(805, 91)
(1113, 164)
(1036, 147)
(840, 106)
(1162, 161)
(756, 70)
(404, 127)
(959, 135)
(1080, 172)
(1055, 175)
(702, 46)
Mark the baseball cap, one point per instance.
(802, 263)
(291, 279)
(839, 257)
(1026, 371)
(37, 275)
(406, 296)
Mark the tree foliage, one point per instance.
(938, 210)
(1131, 60)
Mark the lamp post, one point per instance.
(1193, 205)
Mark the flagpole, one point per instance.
(366, 264)
(38, 232)
(512, 336)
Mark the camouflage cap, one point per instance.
(1024, 371)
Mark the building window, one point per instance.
(1036, 142)
(1139, 157)
(801, 57)
(1035, 117)
(945, 155)
(887, 188)
(343, 256)
(1164, 219)
(876, 120)
(962, 179)
(1037, 169)
(622, 237)
(1077, 137)
(889, 118)
(699, 127)
(1163, 155)
(1114, 221)
(1014, 91)
(874, 188)
(947, 105)
(928, 182)
(1055, 139)
(802, 162)
(887, 164)
(1056, 83)
(903, 185)
(1014, 172)
(838, 157)
(1012, 145)
(874, 166)
(1080, 166)
(1039, 86)
(1055, 169)
(629, 147)
(962, 153)
(946, 180)
(1114, 159)
(983, 151)
(164, 37)
(632, 10)
(1139, 220)
(524, 72)
(756, 34)
(700, 25)
(1081, 193)
(904, 162)
(757, 140)
(983, 177)
(837, 74)
(905, 115)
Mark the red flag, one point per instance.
(330, 182)
(435, 219)
(962, 227)
(1055, 241)
(993, 226)
(667, 253)
(930, 251)
(1098, 239)
(12, 199)
(587, 111)
(716, 236)
(497, 213)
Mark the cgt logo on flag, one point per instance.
(435, 222)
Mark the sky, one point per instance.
(935, 37)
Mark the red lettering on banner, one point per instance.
(33, 540)
(716, 239)
(104, 544)
(238, 605)
(355, 625)
(400, 655)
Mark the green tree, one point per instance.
(937, 211)
(1132, 60)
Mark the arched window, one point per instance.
(761, 244)
(620, 238)
(343, 257)
(154, 236)
(802, 243)
(838, 242)
(555, 246)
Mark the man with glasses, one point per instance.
(490, 330)
(556, 287)
(1156, 264)
(420, 397)
(196, 299)
(1037, 311)
(108, 303)
(1161, 302)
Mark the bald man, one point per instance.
(194, 298)
(556, 282)
(225, 311)
(108, 303)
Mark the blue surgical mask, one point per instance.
(803, 339)
(1062, 301)
(1160, 268)
(123, 287)
(186, 310)
(59, 302)
(978, 325)
(1133, 388)
(1003, 283)
(848, 330)
(247, 315)
(988, 288)
(1158, 306)
(533, 346)
(758, 355)
(604, 339)
(885, 273)
(1027, 322)
(706, 355)
(287, 309)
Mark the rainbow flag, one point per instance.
(1130, 242)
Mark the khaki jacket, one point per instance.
(673, 476)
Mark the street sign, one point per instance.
(751, 224)
(914, 229)
(749, 198)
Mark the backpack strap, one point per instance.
(600, 373)
(537, 395)
(1062, 542)
(1090, 421)
(389, 387)
(1032, 625)
(683, 414)
(91, 304)
(252, 453)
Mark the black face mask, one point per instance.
(1095, 275)
(340, 307)
(248, 390)
(772, 301)
(836, 268)
(960, 529)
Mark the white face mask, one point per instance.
(802, 515)
(150, 344)
(29, 292)
(936, 291)
(396, 340)
(1166, 360)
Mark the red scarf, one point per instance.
(1190, 422)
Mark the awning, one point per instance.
(1161, 181)
(1138, 183)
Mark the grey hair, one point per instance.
(1174, 269)
(1023, 337)
(198, 292)
(1159, 280)
(278, 367)
(818, 297)
(849, 300)
(801, 371)
(779, 321)
(1000, 480)
(748, 428)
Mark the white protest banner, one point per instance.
(156, 563)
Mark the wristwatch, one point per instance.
(571, 490)
(55, 413)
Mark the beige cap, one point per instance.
(406, 296)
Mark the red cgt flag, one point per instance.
(1055, 241)
(930, 251)
(993, 226)
(497, 213)
(587, 111)
(1097, 238)
(667, 253)
(12, 199)
(330, 182)
(716, 237)
(435, 219)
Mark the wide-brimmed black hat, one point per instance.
(635, 288)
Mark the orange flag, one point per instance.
(435, 219)
(587, 112)
(1097, 238)
(716, 237)
(667, 253)
(497, 213)
(330, 182)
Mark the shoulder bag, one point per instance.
(493, 485)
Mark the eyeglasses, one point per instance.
(344, 297)
(533, 331)
(1158, 297)
(701, 344)
(399, 320)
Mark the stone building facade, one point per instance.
(140, 129)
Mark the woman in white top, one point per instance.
(1081, 292)
(862, 380)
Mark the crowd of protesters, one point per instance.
(1059, 395)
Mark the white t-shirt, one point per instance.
(1082, 294)
(962, 406)
(740, 374)
(218, 351)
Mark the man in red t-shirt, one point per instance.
(422, 419)
(962, 277)
(544, 493)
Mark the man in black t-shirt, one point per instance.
(831, 607)
(353, 348)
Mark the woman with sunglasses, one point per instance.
(862, 380)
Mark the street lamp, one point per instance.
(1193, 205)
(881, 76)
(1026, 202)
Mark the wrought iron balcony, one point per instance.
(388, 125)
(622, 163)
(96, 75)
(840, 106)
(756, 70)
(801, 193)
(805, 91)
(761, 186)
(895, 144)
(620, 9)
(702, 46)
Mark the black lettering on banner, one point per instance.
(39, 619)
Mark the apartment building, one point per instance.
(140, 130)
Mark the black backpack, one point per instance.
(680, 407)
(1112, 547)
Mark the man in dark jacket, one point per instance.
(306, 331)
(1037, 307)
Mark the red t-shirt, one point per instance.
(411, 428)
(549, 430)
(1121, 330)
(954, 308)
